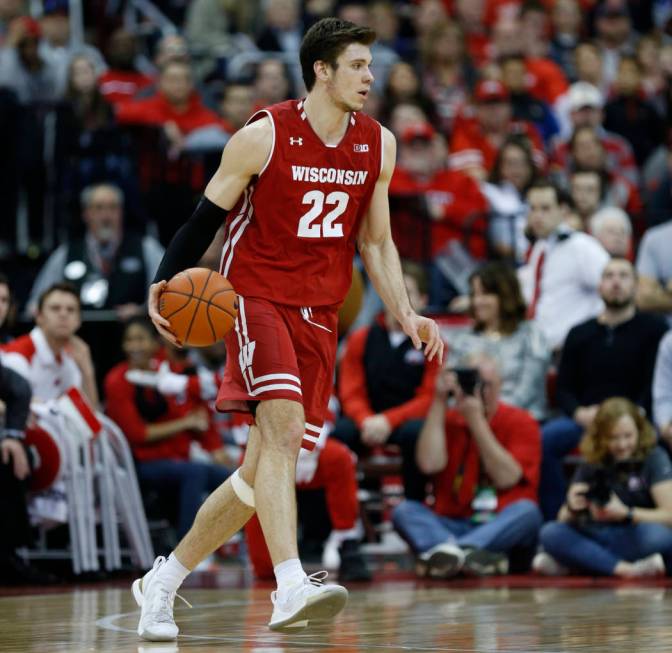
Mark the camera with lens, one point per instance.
(468, 379)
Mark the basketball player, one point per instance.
(302, 184)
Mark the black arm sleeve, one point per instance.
(16, 393)
(191, 240)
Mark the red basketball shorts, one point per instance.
(281, 352)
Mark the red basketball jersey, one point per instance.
(291, 237)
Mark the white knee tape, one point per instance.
(243, 491)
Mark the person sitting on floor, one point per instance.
(485, 456)
(618, 512)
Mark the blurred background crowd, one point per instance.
(530, 205)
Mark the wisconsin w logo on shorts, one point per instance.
(246, 355)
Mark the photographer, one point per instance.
(618, 514)
(485, 456)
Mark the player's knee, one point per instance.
(286, 436)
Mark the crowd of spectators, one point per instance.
(531, 205)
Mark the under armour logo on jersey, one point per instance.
(361, 147)
(295, 141)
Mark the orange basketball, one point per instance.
(201, 306)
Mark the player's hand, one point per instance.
(422, 329)
(13, 449)
(162, 325)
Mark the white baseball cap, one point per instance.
(584, 94)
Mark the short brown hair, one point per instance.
(62, 286)
(595, 443)
(326, 40)
(500, 279)
(544, 184)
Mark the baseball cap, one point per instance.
(584, 94)
(490, 90)
(419, 131)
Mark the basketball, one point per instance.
(201, 306)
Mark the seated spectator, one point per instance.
(385, 387)
(404, 85)
(559, 291)
(123, 80)
(448, 74)
(654, 267)
(89, 145)
(630, 115)
(109, 267)
(545, 79)
(525, 107)
(32, 75)
(512, 175)
(501, 331)
(476, 141)
(7, 310)
(566, 24)
(484, 455)
(587, 189)
(51, 357)
(653, 79)
(588, 153)
(282, 28)
(272, 83)
(57, 42)
(161, 429)
(454, 204)
(236, 106)
(611, 355)
(15, 398)
(585, 104)
(615, 520)
(612, 227)
(178, 109)
(662, 390)
(404, 115)
(614, 35)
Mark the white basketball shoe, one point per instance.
(308, 601)
(156, 604)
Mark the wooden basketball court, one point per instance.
(515, 614)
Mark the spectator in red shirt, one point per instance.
(452, 197)
(122, 81)
(485, 456)
(385, 387)
(161, 428)
(474, 146)
(454, 208)
(176, 107)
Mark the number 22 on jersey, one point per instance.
(313, 224)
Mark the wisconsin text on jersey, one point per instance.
(329, 175)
